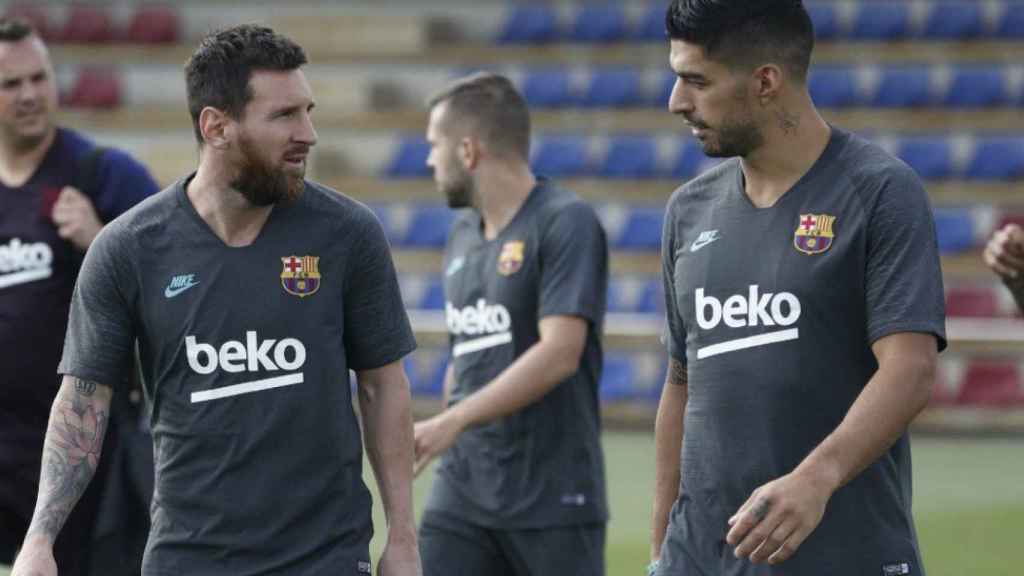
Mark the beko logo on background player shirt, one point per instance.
(22, 263)
(253, 356)
(752, 309)
(492, 323)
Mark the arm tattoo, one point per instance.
(677, 374)
(71, 453)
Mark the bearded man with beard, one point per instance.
(520, 488)
(252, 293)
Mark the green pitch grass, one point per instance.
(968, 503)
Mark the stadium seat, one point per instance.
(977, 87)
(652, 24)
(652, 299)
(955, 230)
(881, 21)
(613, 88)
(630, 157)
(1011, 24)
(624, 293)
(997, 158)
(529, 24)
(34, 15)
(88, 24)
(691, 160)
(428, 227)
(426, 370)
(153, 25)
(992, 384)
(930, 156)
(665, 87)
(642, 230)
(974, 302)
(562, 156)
(433, 298)
(954, 21)
(617, 378)
(904, 87)
(824, 17)
(548, 88)
(410, 160)
(95, 88)
(834, 87)
(599, 23)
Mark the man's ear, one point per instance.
(469, 152)
(216, 127)
(768, 82)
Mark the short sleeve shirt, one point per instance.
(246, 353)
(541, 466)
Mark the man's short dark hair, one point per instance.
(15, 29)
(218, 73)
(746, 32)
(497, 112)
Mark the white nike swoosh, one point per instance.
(698, 244)
(172, 292)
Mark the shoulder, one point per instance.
(336, 207)
(870, 170)
(143, 218)
(560, 205)
(703, 188)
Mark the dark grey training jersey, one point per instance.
(246, 354)
(543, 465)
(773, 312)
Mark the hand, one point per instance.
(35, 559)
(433, 436)
(401, 557)
(778, 517)
(1004, 253)
(76, 218)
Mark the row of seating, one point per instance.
(643, 294)
(95, 24)
(638, 377)
(632, 227)
(864, 20)
(637, 156)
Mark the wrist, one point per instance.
(822, 471)
(402, 534)
(37, 540)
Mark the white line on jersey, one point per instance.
(748, 342)
(247, 387)
(479, 344)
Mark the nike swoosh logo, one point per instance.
(172, 292)
(699, 243)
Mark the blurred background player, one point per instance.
(804, 302)
(520, 488)
(252, 293)
(57, 190)
(1004, 254)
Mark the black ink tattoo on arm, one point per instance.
(677, 374)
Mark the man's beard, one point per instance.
(261, 183)
(459, 192)
(739, 139)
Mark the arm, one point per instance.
(668, 441)
(778, 516)
(1004, 254)
(448, 384)
(384, 402)
(71, 452)
(555, 357)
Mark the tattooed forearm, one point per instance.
(74, 439)
(677, 374)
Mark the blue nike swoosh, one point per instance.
(172, 292)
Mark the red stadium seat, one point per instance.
(88, 25)
(153, 25)
(35, 15)
(948, 380)
(993, 384)
(95, 88)
(977, 302)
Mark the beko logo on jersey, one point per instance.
(747, 310)
(492, 322)
(23, 263)
(253, 355)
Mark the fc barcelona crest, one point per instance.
(301, 275)
(511, 258)
(814, 233)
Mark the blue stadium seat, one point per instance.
(410, 160)
(652, 25)
(904, 87)
(881, 21)
(599, 23)
(834, 87)
(433, 298)
(426, 369)
(691, 160)
(623, 294)
(562, 156)
(617, 378)
(955, 230)
(652, 299)
(824, 17)
(642, 230)
(665, 86)
(1011, 24)
(997, 158)
(630, 157)
(954, 21)
(613, 88)
(930, 157)
(977, 87)
(529, 24)
(428, 227)
(548, 88)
